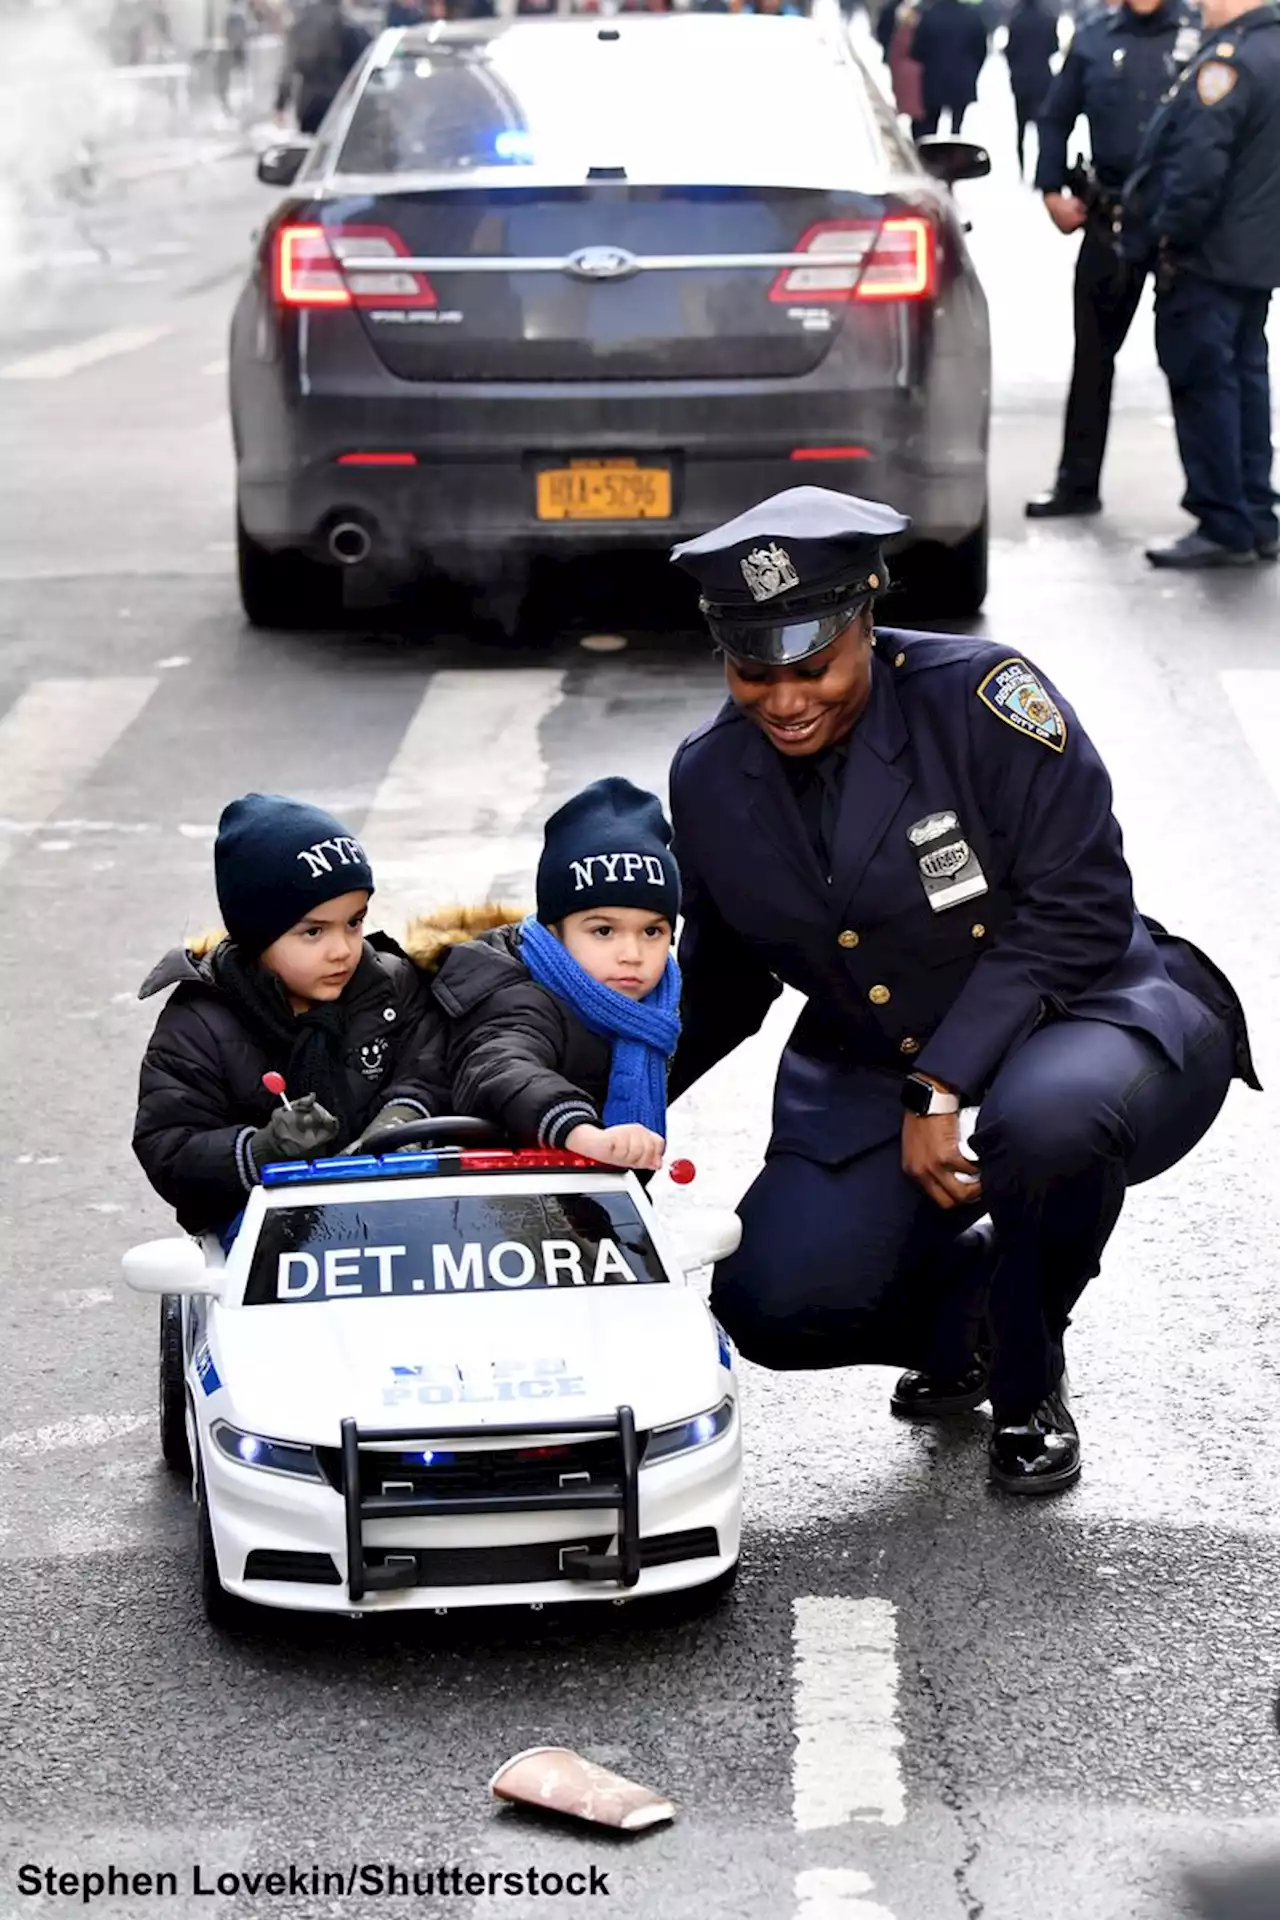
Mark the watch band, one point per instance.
(920, 1096)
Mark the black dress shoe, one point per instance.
(1062, 506)
(1193, 552)
(1040, 1455)
(1268, 549)
(931, 1396)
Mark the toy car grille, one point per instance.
(477, 1471)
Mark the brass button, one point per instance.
(848, 938)
(908, 1045)
(879, 996)
(977, 929)
(899, 659)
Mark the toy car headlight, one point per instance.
(663, 1442)
(272, 1456)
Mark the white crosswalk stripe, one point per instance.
(55, 363)
(52, 737)
(456, 817)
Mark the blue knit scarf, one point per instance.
(643, 1032)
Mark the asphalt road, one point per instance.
(923, 1702)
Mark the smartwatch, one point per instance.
(921, 1096)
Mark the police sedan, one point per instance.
(541, 287)
(448, 1379)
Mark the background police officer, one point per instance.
(1119, 65)
(914, 832)
(1205, 199)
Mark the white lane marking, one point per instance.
(53, 735)
(448, 820)
(86, 1430)
(76, 1299)
(213, 368)
(835, 1893)
(1255, 697)
(55, 363)
(846, 1699)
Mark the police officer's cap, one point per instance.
(784, 580)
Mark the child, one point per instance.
(294, 988)
(561, 1028)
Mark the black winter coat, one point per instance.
(517, 1054)
(951, 45)
(1032, 44)
(201, 1093)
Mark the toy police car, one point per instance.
(448, 1377)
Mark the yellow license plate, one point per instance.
(604, 490)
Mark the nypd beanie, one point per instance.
(610, 846)
(275, 859)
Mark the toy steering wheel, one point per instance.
(453, 1130)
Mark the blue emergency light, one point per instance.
(362, 1166)
(398, 1166)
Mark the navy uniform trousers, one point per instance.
(1211, 341)
(849, 1264)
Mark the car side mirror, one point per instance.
(279, 166)
(170, 1266)
(951, 160)
(710, 1234)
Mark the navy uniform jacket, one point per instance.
(1117, 71)
(893, 985)
(1207, 182)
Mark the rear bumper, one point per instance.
(920, 423)
(453, 515)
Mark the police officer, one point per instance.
(914, 831)
(1205, 200)
(1119, 65)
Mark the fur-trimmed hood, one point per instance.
(428, 938)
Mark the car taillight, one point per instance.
(889, 260)
(307, 274)
(902, 266)
(310, 263)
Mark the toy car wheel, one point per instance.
(224, 1610)
(173, 1389)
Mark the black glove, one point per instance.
(393, 1116)
(296, 1132)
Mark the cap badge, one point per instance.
(768, 572)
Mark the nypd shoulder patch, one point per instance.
(1015, 692)
(1214, 81)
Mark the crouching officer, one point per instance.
(914, 831)
(1204, 201)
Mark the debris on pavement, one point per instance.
(560, 1781)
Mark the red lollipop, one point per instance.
(681, 1172)
(274, 1083)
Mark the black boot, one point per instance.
(1058, 504)
(932, 1396)
(1038, 1455)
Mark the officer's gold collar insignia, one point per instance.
(1015, 692)
(1214, 82)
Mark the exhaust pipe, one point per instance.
(349, 543)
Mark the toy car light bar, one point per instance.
(296, 1173)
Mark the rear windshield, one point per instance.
(783, 107)
(477, 1243)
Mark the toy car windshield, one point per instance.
(458, 1243)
